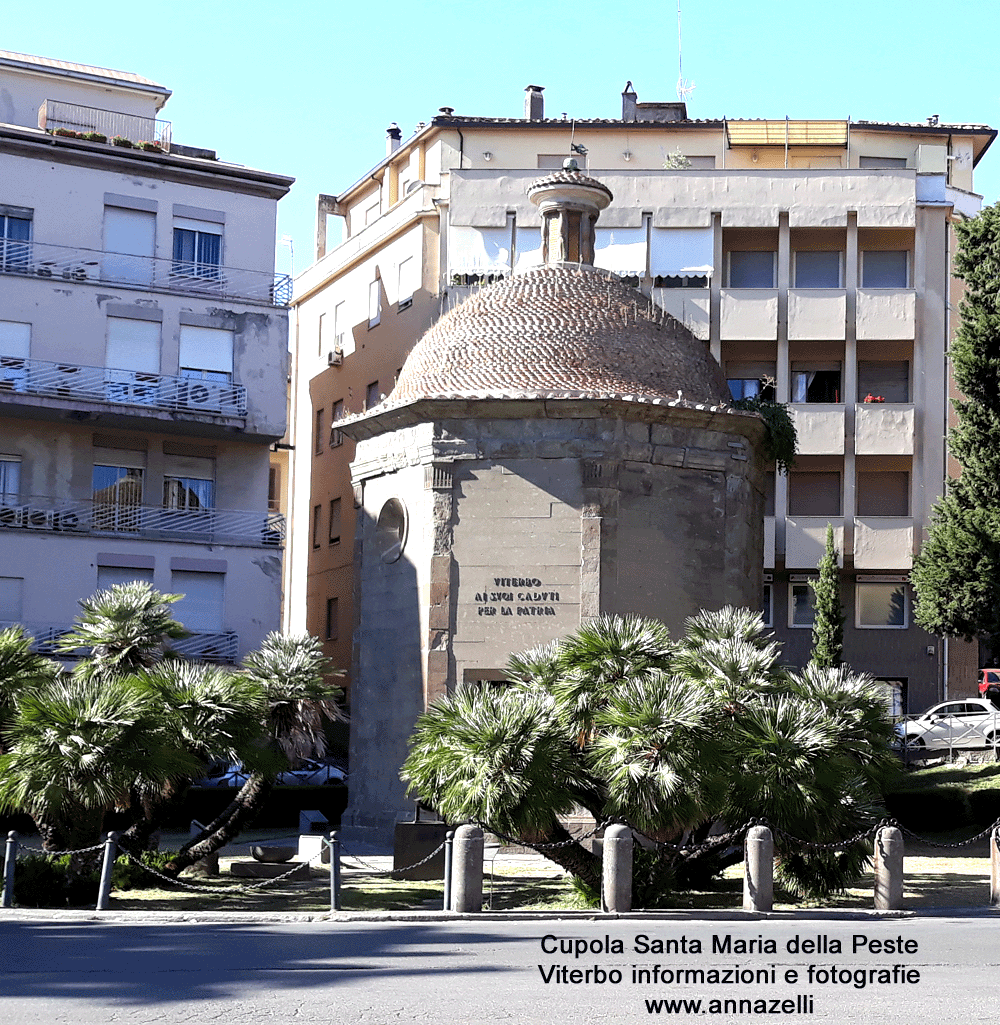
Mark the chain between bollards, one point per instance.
(104, 892)
(9, 864)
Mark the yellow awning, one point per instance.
(796, 133)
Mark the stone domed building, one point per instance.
(556, 449)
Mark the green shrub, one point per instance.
(42, 882)
(985, 806)
(127, 875)
(934, 810)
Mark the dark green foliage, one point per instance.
(828, 622)
(957, 571)
(933, 810)
(781, 440)
(127, 875)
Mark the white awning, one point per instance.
(681, 252)
(473, 250)
(622, 250)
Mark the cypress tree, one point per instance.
(957, 572)
(828, 621)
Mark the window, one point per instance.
(884, 380)
(335, 521)
(15, 344)
(332, 619)
(188, 493)
(407, 283)
(10, 599)
(336, 413)
(201, 608)
(802, 604)
(132, 357)
(318, 433)
(317, 513)
(751, 269)
(883, 493)
(881, 163)
(15, 238)
(273, 488)
(884, 269)
(820, 383)
(371, 395)
(10, 478)
(372, 211)
(117, 496)
(766, 607)
(881, 605)
(816, 269)
(206, 353)
(751, 380)
(814, 494)
(374, 303)
(197, 249)
(339, 325)
(129, 245)
(114, 576)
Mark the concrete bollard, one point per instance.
(616, 869)
(104, 891)
(449, 842)
(467, 870)
(758, 869)
(888, 869)
(994, 867)
(9, 864)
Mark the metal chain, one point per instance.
(518, 842)
(57, 854)
(392, 871)
(836, 845)
(957, 843)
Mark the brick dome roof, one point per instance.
(560, 330)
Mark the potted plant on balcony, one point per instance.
(874, 398)
(149, 147)
(95, 137)
(123, 142)
(67, 133)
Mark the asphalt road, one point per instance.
(479, 971)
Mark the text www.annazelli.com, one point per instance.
(802, 1004)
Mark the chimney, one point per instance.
(629, 99)
(392, 136)
(534, 103)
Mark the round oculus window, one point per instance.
(390, 530)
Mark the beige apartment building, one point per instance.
(143, 361)
(811, 257)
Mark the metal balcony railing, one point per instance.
(252, 529)
(121, 387)
(44, 635)
(53, 114)
(208, 647)
(97, 266)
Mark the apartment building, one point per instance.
(811, 257)
(143, 361)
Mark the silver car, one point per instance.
(971, 722)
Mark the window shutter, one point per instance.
(206, 348)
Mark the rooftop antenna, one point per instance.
(684, 88)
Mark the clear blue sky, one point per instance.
(307, 88)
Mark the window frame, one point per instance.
(792, 586)
(205, 260)
(337, 412)
(316, 518)
(15, 252)
(896, 585)
(319, 418)
(335, 513)
(839, 253)
(774, 267)
(767, 604)
(907, 269)
(332, 619)
(371, 395)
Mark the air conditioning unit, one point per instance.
(335, 357)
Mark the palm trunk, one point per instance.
(240, 813)
(573, 857)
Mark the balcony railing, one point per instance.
(44, 636)
(252, 529)
(121, 387)
(53, 114)
(99, 267)
(208, 647)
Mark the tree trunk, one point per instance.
(240, 813)
(574, 857)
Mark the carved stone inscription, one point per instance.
(517, 596)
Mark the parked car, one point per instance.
(988, 678)
(309, 773)
(971, 722)
(232, 775)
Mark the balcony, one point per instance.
(885, 313)
(98, 518)
(749, 314)
(819, 427)
(816, 314)
(55, 114)
(219, 647)
(113, 387)
(805, 540)
(149, 273)
(690, 306)
(883, 429)
(769, 535)
(883, 542)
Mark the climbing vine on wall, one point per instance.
(781, 439)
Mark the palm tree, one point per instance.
(20, 669)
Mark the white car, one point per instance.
(971, 722)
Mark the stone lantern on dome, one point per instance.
(570, 204)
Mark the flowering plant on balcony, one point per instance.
(874, 398)
(121, 140)
(149, 147)
(95, 136)
(68, 133)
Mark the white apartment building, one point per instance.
(812, 258)
(143, 360)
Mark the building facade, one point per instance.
(143, 361)
(812, 258)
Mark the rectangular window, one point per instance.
(751, 380)
(884, 493)
(332, 619)
(881, 606)
(117, 497)
(339, 325)
(881, 163)
(15, 345)
(115, 576)
(884, 269)
(317, 514)
(883, 380)
(318, 432)
(407, 282)
(766, 606)
(814, 494)
(371, 395)
(816, 384)
(15, 239)
(201, 608)
(10, 478)
(816, 269)
(197, 249)
(335, 521)
(372, 211)
(374, 303)
(801, 605)
(273, 488)
(11, 589)
(188, 493)
(336, 413)
(206, 353)
(132, 356)
(129, 245)
(752, 269)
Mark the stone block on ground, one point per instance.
(297, 872)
